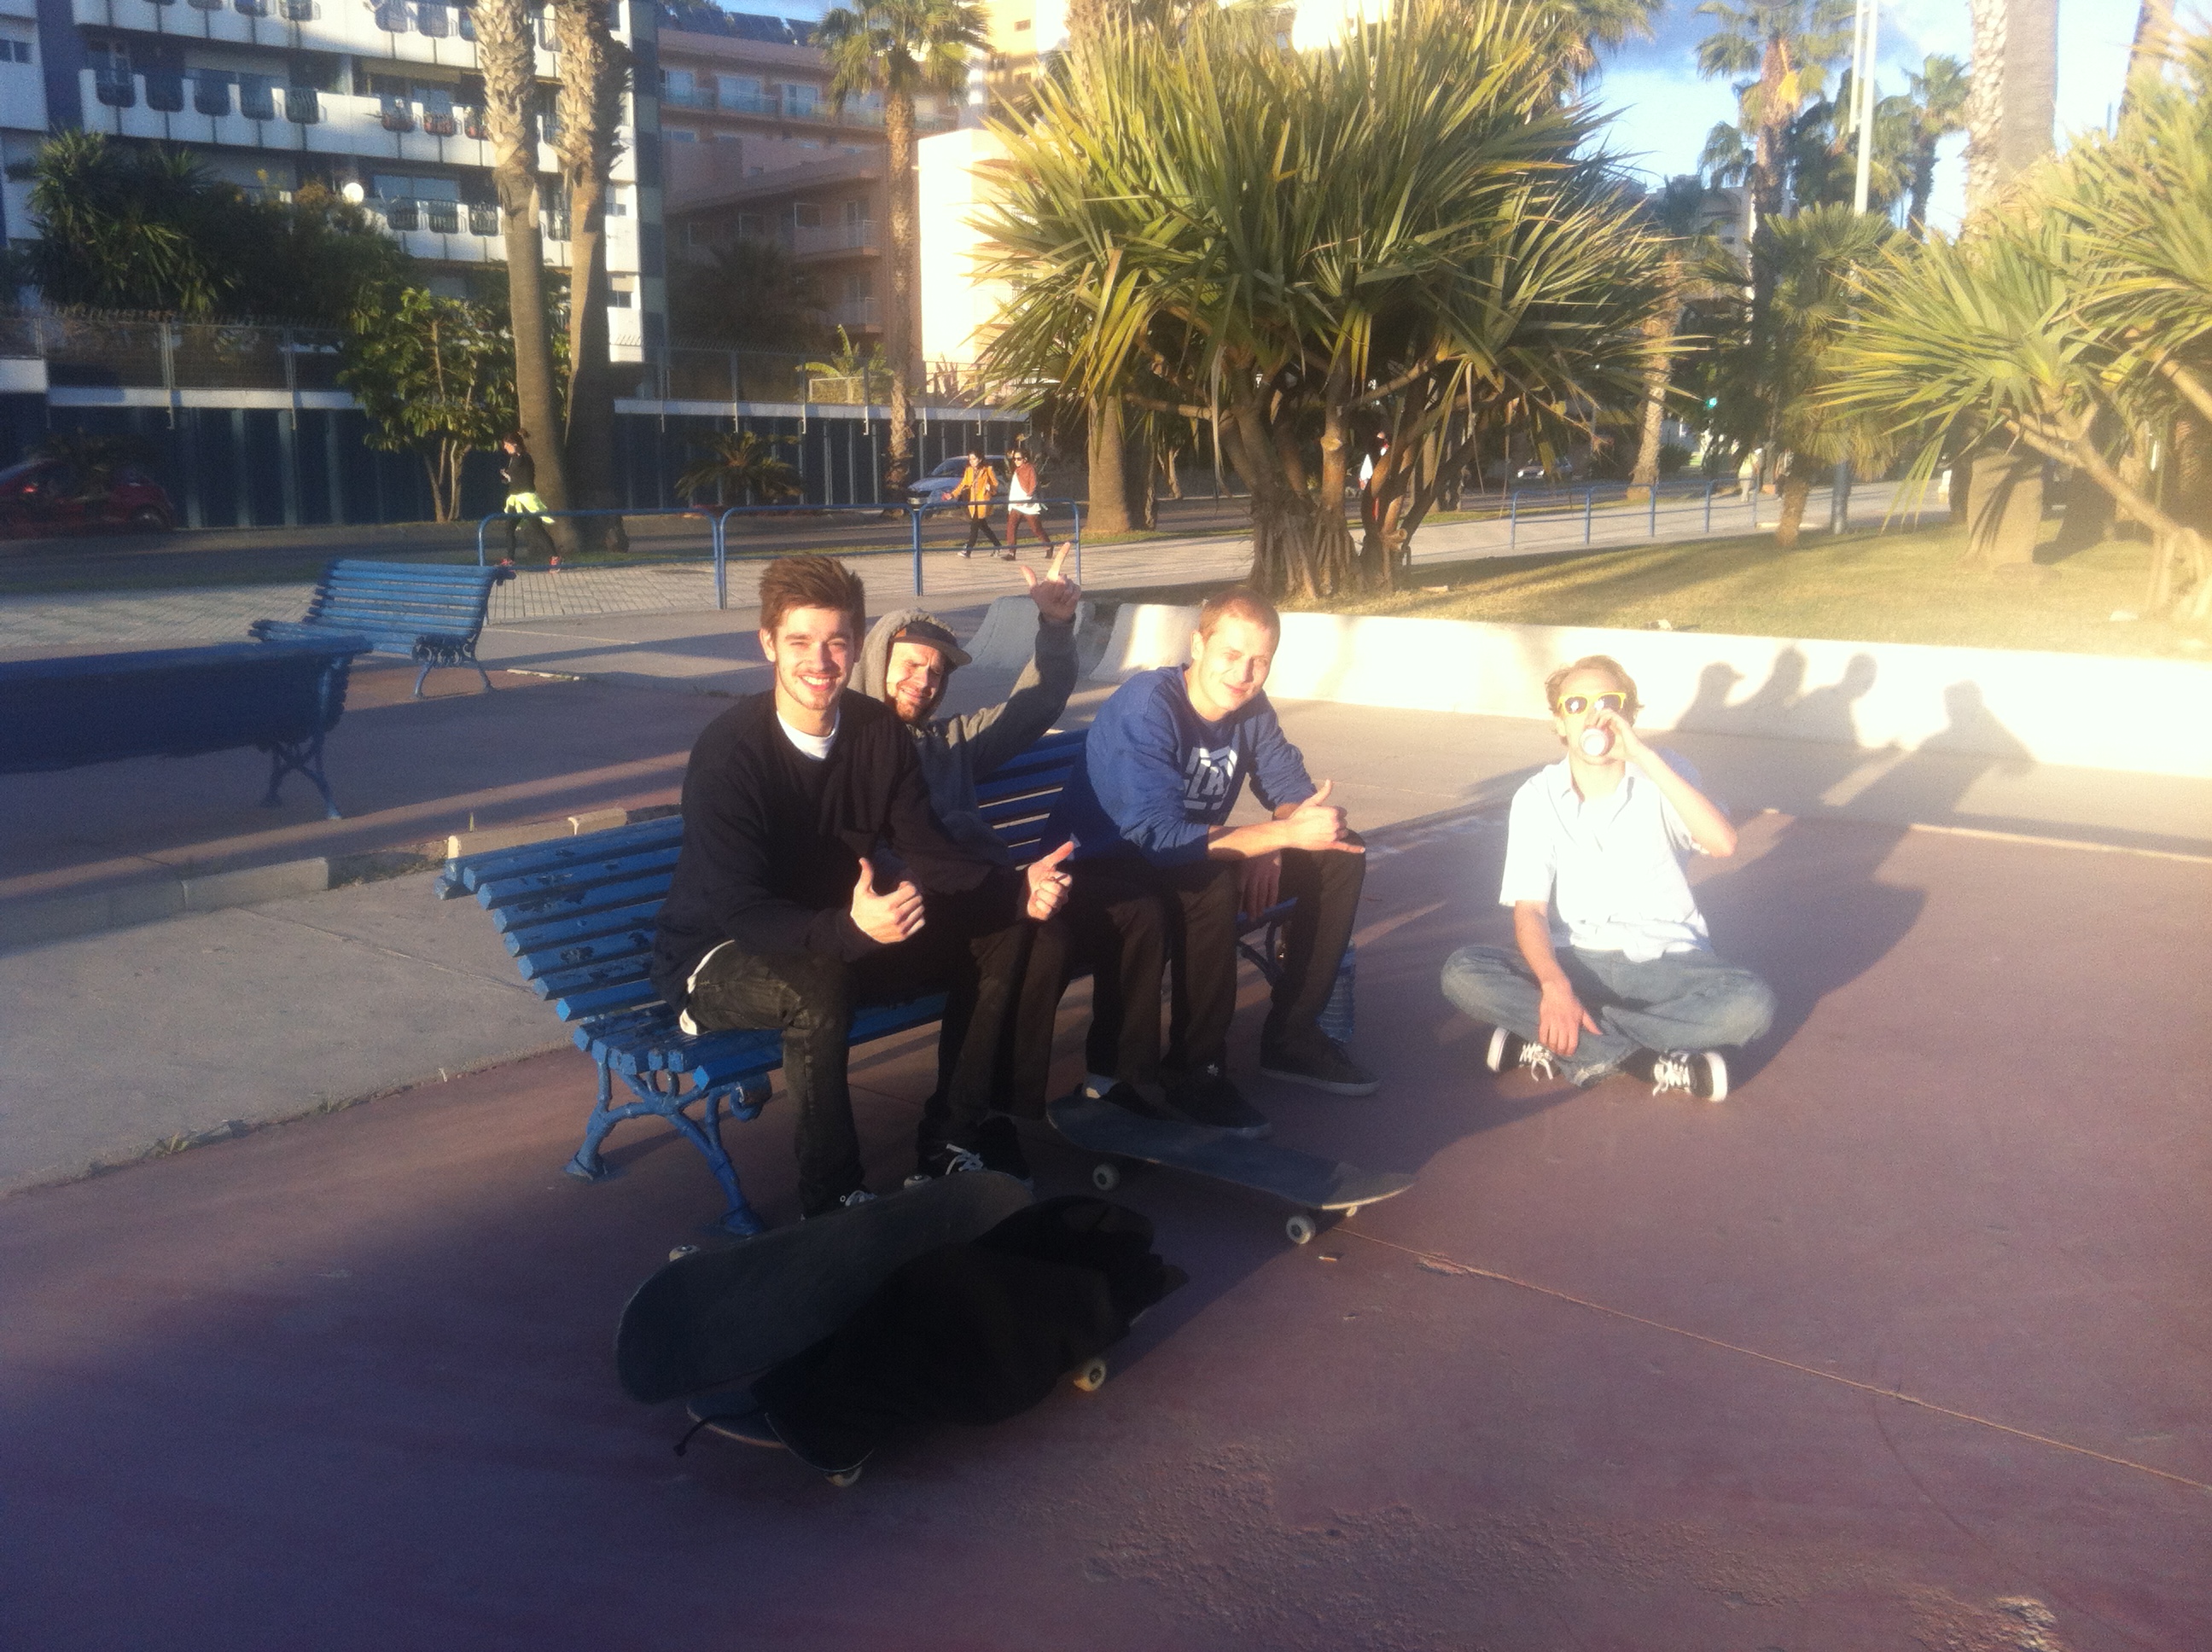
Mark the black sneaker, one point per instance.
(1701, 1074)
(1319, 1064)
(945, 1160)
(1510, 1050)
(999, 1144)
(1146, 1101)
(1206, 1097)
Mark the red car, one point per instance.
(45, 496)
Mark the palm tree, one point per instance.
(2075, 322)
(595, 71)
(1302, 248)
(900, 49)
(1787, 45)
(739, 464)
(1677, 215)
(1790, 360)
(1939, 103)
(2011, 99)
(507, 52)
(2146, 55)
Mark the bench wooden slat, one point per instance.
(577, 881)
(428, 613)
(598, 1000)
(526, 940)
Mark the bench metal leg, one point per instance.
(739, 1218)
(300, 757)
(430, 665)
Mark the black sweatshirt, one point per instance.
(773, 838)
(521, 471)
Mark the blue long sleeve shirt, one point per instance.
(1157, 775)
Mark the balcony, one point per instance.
(827, 241)
(853, 312)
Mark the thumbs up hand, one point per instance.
(1048, 884)
(1316, 823)
(886, 919)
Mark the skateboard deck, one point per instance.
(1303, 1178)
(707, 1319)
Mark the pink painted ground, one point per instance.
(346, 1383)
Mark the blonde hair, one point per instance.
(1606, 662)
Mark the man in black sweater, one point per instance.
(773, 919)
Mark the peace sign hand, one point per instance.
(1055, 596)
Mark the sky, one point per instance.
(1663, 109)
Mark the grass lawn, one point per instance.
(1873, 587)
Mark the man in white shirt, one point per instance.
(1614, 970)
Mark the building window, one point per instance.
(256, 96)
(679, 134)
(622, 292)
(801, 102)
(860, 287)
(210, 92)
(14, 51)
(752, 226)
(805, 214)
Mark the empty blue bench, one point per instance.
(577, 916)
(429, 611)
(278, 697)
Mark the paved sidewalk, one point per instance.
(89, 621)
(1899, 1347)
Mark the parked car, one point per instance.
(44, 496)
(937, 487)
(1537, 474)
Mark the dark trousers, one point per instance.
(972, 955)
(979, 526)
(1014, 520)
(1118, 930)
(1203, 922)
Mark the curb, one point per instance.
(66, 917)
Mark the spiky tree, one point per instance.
(1306, 248)
(901, 49)
(594, 76)
(2074, 321)
(508, 54)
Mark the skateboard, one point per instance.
(705, 1320)
(734, 1414)
(1320, 1185)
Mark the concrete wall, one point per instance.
(2086, 710)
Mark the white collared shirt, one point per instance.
(1611, 867)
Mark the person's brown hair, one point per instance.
(790, 582)
(1606, 662)
(1244, 603)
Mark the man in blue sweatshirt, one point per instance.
(1168, 755)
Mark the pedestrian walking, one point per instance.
(523, 508)
(1022, 507)
(979, 486)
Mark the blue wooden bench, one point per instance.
(577, 916)
(278, 697)
(429, 611)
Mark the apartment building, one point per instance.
(380, 101)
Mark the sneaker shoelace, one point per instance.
(1670, 1073)
(1538, 1059)
(957, 1159)
(858, 1196)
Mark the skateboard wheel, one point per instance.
(1091, 1375)
(1105, 1177)
(843, 1478)
(1300, 1228)
(681, 1252)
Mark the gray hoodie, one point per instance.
(958, 751)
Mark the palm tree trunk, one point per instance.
(899, 319)
(1796, 487)
(1658, 370)
(508, 54)
(1984, 115)
(1923, 185)
(594, 70)
(2147, 57)
(1107, 472)
(2031, 85)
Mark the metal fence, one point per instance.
(1611, 513)
(112, 352)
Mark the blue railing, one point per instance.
(718, 518)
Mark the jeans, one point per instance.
(1202, 899)
(976, 957)
(1683, 1001)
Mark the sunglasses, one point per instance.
(1575, 704)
